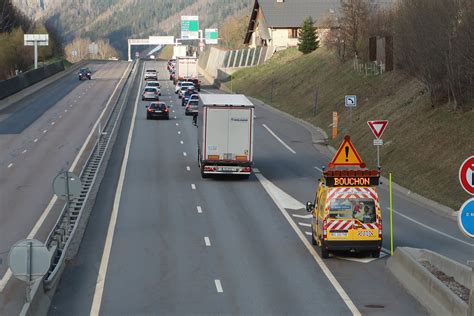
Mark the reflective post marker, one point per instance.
(391, 214)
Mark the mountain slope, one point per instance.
(117, 20)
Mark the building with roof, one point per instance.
(277, 22)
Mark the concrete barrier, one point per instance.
(26, 91)
(433, 294)
(28, 78)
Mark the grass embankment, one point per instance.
(423, 148)
(166, 53)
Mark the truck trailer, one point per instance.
(225, 134)
(186, 68)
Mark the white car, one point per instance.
(151, 74)
(154, 84)
(182, 84)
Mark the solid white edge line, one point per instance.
(279, 139)
(199, 209)
(207, 241)
(218, 286)
(337, 286)
(104, 262)
(319, 169)
(431, 228)
(6, 277)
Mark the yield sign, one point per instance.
(466, 175)
(347, 155)
(378, 127)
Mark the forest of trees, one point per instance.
(433, 41)
(14, 56)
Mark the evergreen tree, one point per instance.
(308, 40)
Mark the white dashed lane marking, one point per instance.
(44, 132)
(10, 165)
(24, 151)
(207, 241)
(36, 139)
(188, 168)
(199, 209)
(218, 286)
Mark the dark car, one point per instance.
(186, 95)
(157, 110)
(172, 75)
(85, 73)
(192, 107)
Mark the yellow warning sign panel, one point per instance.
(347, 155)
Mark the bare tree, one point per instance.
(353, 23)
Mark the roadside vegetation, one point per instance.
(166, 52)
(428, 98)
(78, 50)
(14, 56)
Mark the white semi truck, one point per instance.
(225, 134)
(186, 68)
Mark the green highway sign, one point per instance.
(211, 36)
(189, 27)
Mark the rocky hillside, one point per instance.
(117, 20)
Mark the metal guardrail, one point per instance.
(60, 237)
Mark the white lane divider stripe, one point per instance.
(52, 123)
(181, 142)
(188, 168)
(218, 286)
(304, 224)
(100, 282)
(308, 233)
(193, 186)
(279, 139)
(302, 216)
(207, 241)
(199, 209)
(185, 154)
(267, 185)
(44, 131)
(36, 139)
(177, 124)
(24, 151)
(432, 229)
(10, 165)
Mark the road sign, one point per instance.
(67, 184)
(211, 36)
(29, 260)
(347, 155)
(39, 39)
(378, 127)
(466, 218)
(378, 142)
(335, 121)
(351, 101)
(189, 27)
(93, 49)
(466, 175)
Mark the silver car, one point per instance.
(150, 93)
(154, 84)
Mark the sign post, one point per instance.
(29, 260)
(335, 121)
(350, 102)
(212, 36)
(36, 40)
(378, 127)
(67, 186)
(189, 27)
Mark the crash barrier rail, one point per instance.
(28, 78)
(63, 232)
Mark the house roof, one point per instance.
(291, 13)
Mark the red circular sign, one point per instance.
(466, 175)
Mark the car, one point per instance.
(183, 89)
(154, 84)
(191, 107)
(150, 93)
(157, 110)
(152, 56)
(187, 95)
(196, 83)
(180, 83)
(151, 74)
(85, 73)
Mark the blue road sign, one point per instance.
(466, 218)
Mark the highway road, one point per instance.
(39, 136)
(162, 240)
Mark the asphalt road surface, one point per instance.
(39, 136)
(162, 240)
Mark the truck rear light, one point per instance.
(325, 234)
(208, 168)
(241, 158)
(247, 169)
(379, 226)
(213, 157)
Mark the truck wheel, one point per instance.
(324, 251)
(375, 253)
(203, 175)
